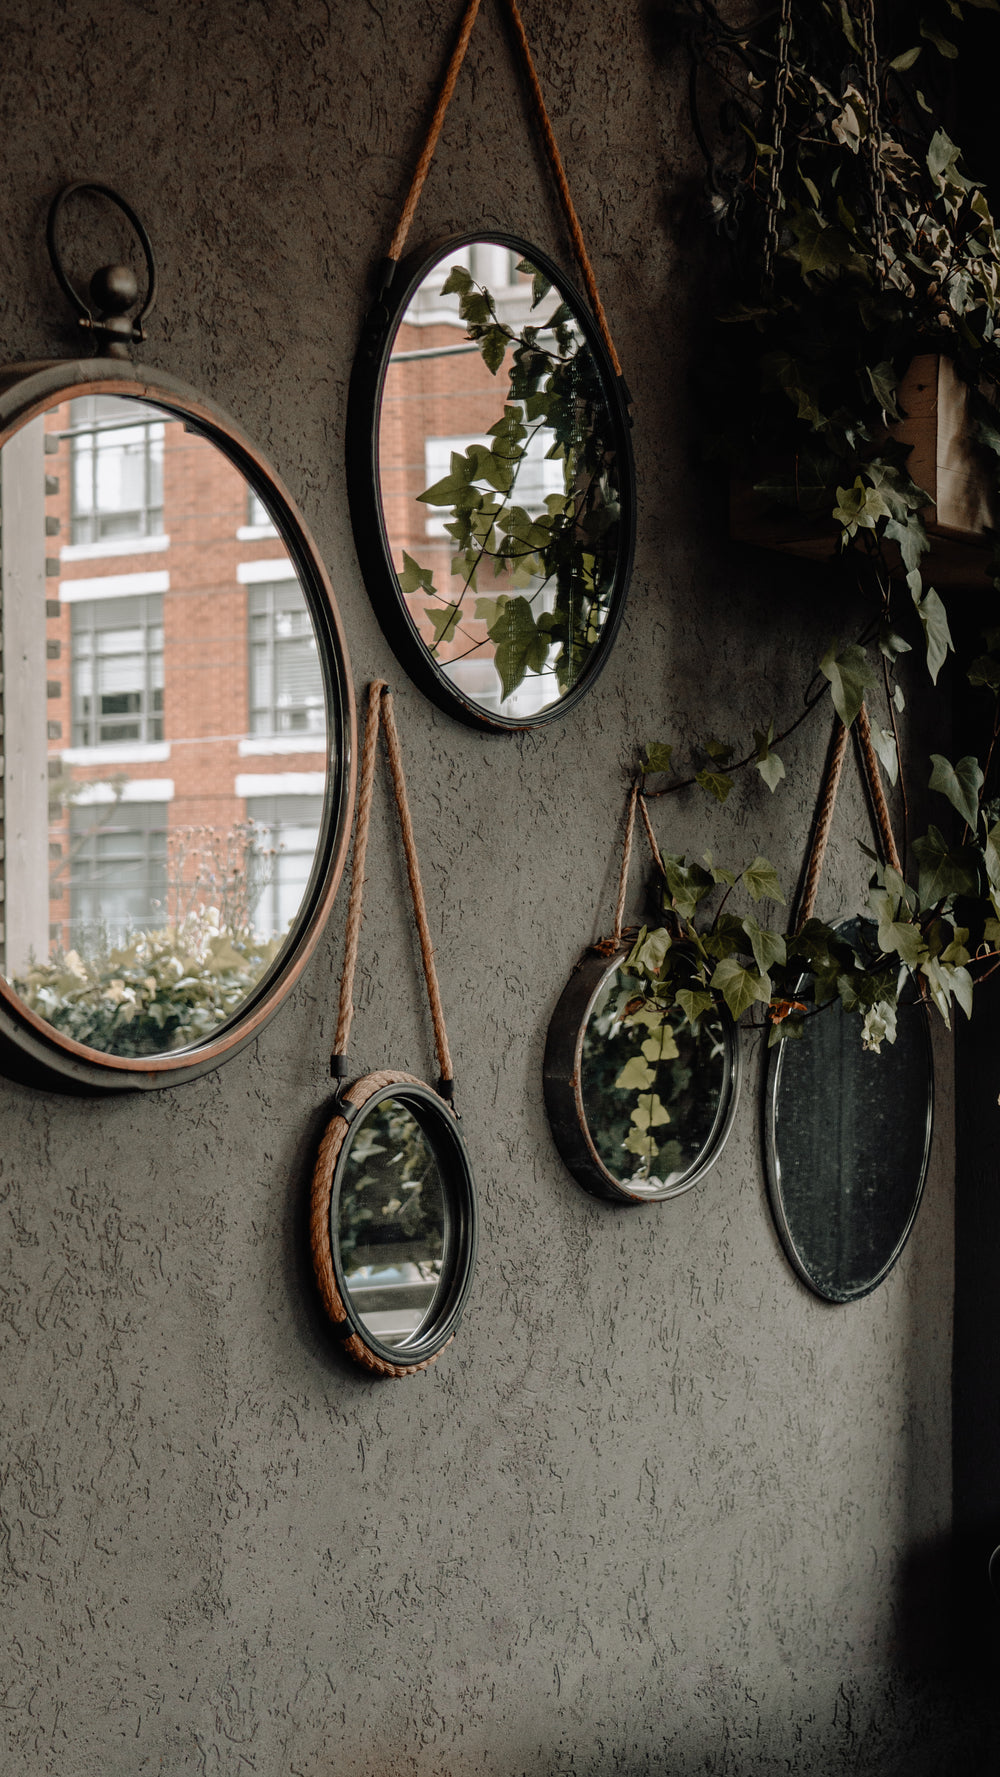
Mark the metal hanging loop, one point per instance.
(114, 288)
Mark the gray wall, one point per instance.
(658, 1509)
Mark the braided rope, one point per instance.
(875, 790)
(416, 887)
(320, 1237)
(774, 198)
(616, 936)
(562, 184)
(427, 153)
(345, 1013)
(651, 836)
(823, 823)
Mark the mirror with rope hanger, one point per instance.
(489, 461)
(847, 1127)
(640, 1097)
(393, 1224)
(178, 772)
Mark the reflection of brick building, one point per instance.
(185, 695)
(439, 397)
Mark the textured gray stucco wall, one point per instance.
(658, 1510)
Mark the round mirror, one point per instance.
(491, 481)
(639, 1100)
(394, 1223)
(847, 1139)
(178, 770)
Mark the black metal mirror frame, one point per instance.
(31, 1050)
(772, 1164)
(439, 1123)
(563, 1087)
(371, 539)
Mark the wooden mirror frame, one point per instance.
(31, 1050)
(371, 539)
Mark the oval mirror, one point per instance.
(394, 1223)
(639, 1101)
(178, 767)
(847, 1139)
(491, 482)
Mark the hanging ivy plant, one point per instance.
(877, 245)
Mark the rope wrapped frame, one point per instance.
(333, 1151)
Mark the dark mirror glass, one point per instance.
(848, 1137)
(652, 1087)
(392, 1224)
(166, 769)
(504, 486)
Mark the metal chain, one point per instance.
(874, 141)
(774, 199)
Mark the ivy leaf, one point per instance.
(949, 50)
(961, 784)
(635, 1076)
(934, 622)
(768, 947)
(911, 536)
(899, 938)
(884, 742)
(760, 879)
(414, 578)
(445, 620)
(942, 872)
(520, 646)
(891, 643)
(661, 1046)
(493, 345)
(739, 987)
(650, 1112)
(719, 873)
(772, 770)
(694, 1004)
(902, 62)
(658, 756)
(458, 282)
(649, 950)
(715, 782)
(850, 677)
(985, 670)
(879, 1026)
(687, 884)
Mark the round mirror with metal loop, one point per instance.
(847, 1135)
(489, 460)
(178, 719)
(491, 482)
(640, 1101)
(393, 1220)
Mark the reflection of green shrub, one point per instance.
(159, 991)
(391, 1195)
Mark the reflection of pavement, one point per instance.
(393, 1300)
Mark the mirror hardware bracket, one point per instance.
(113, 289)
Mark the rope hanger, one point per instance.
(827, 803)
(380, 713)
(423, 166)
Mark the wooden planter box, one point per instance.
(955, 474)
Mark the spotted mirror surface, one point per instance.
(171, 769)
(392, 1224)
(504, 506)
(847, 1142)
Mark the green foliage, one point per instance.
(159, 991)
(558, 565)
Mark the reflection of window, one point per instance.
(118, 871)
(288, 831)
(258, 515)
(537, 474)
(286, 682)
(117, 670)
(117, 470)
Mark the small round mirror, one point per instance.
(847, 1139)
(177, 714)
(491, 482)
(639, 1100)
(394, 1223)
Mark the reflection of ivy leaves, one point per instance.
(444, 621)
(520, 646)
